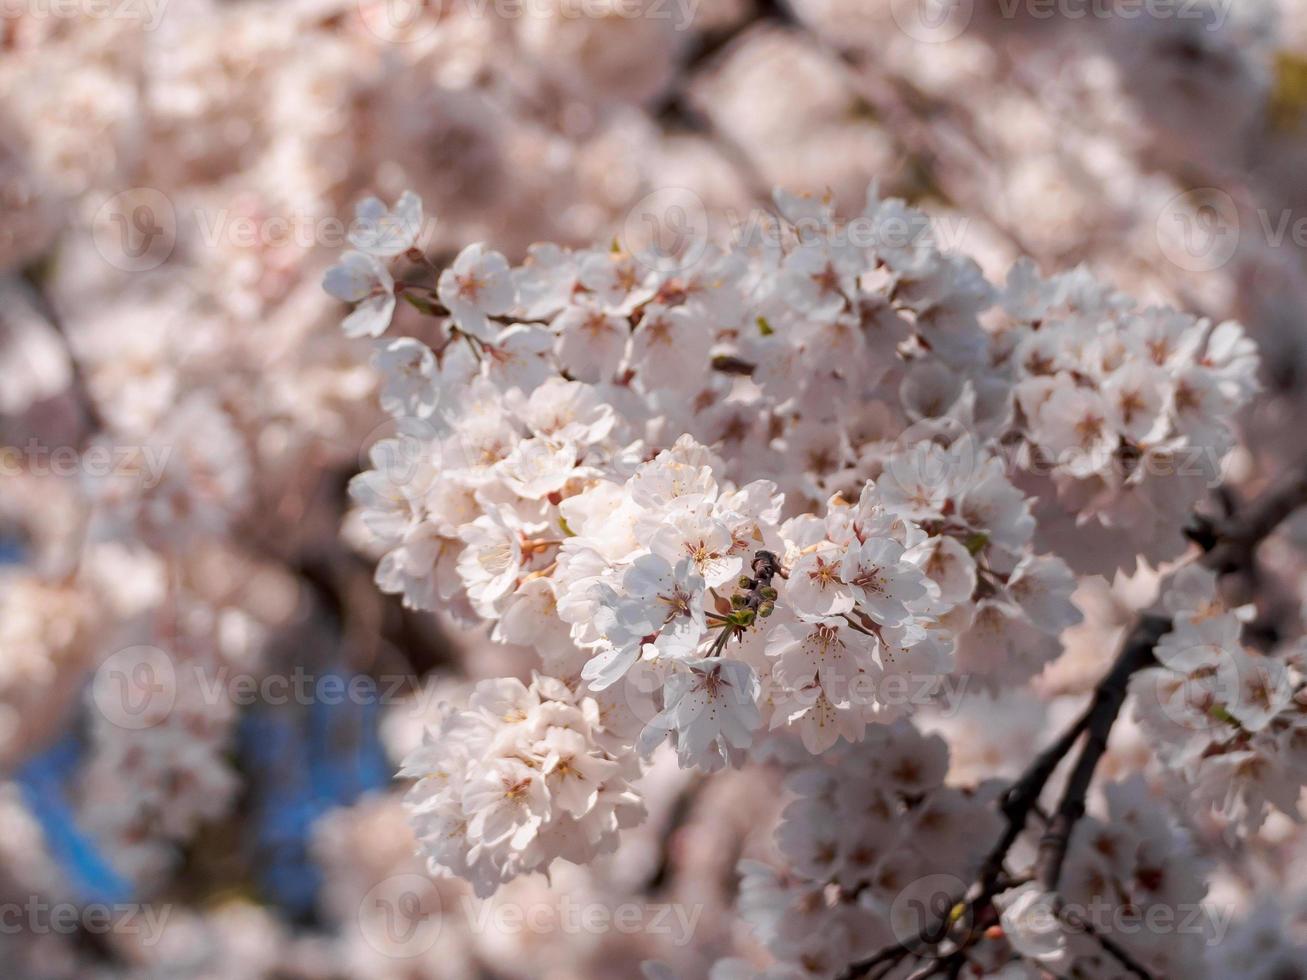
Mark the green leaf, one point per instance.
(420, 304)
(1218, 712)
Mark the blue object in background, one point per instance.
(43, 780)
(299, 765)
(12, 551)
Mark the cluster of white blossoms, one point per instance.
(877, 850)
(175, 753)
(1016, 436)
(524, 775)
(1131, 876)
(876, 847)
(763, 490)
(43, 629)
(1128, 410)
(740, 620)
(1228, 720)
(1005, 604)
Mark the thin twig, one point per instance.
(1236, 538)
(93, 421)
(1136, 653)
(1230, 549)
(1115, 949)
(681, 812)
(1230, 545)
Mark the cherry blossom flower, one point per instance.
(409, 369)
(360, 278)
(387, 233)
(477, 286)
(711, 713)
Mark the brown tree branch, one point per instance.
(1230, 545)
(1112, 946)
(1231, 549)
(1236, 538)
(1109, 695)
(93, 421)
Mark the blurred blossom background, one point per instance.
(203, 696)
